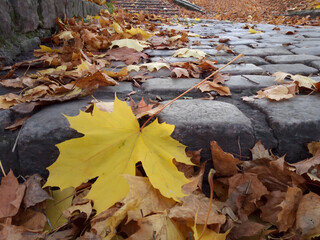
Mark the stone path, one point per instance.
(285, 127)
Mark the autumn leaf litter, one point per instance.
(110, 196)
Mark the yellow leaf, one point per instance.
(197, 19)
(208, 234)
(130, 43)
(61, 201)
(157, 226)
(251, 30)
(117, 27)
(185, 52)
(48, 49)
(134, 31)
(150, 66)
(112, 145)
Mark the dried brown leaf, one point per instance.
(224, 163)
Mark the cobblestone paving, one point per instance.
(285, 127)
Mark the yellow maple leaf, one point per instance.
(48, 49)
(112, 145)
(251, 30)
(130, 43)
(134, 31)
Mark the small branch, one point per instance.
(2, 169)
(210, 178)
(250, 80)
(190, 89)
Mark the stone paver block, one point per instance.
(246, 68)
(312, 34)
(108, 92)
(295, 123)
(292, 58)
(262, 51)
(296, 68)
(242, 42)
(307, 51)
(249, 84)
(169, 88)
(197, 122)
(49, 12)
(8, 158)
(246, 59)
(26, 15)
(42, 131)
(315, 64)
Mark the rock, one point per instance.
(36, 144)
(197, 122)
(48, 13)
(295, 123)
(304, 59)
(30, 44)
(8, 158)
(26, 15)
(296, 68)
(5, 18)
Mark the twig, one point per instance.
(250, 80)
(210, 178)
(17, 138)
(197, 85)
(2, 169)
(239, 146)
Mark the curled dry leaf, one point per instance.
(305, 165)
(197, 204)
(185, 53)
(224, 163)
(278, 92)
(149, 199)
(308, 215)
(314, 147)
(11, 195)
(157, 226)
(180, 72)
(259, 152)
(34, 193)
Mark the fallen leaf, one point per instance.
(308, 215)
(281, 76)
(208, 233)
(18, 123)
(304, 166)
(34, 193)
(157, 226)
(153, 66)
(303, 81)
(61, 201)
(278, 92)
(209, 86)
(259, 152)
(180, 72)
(149, 199)
(11, 232)
(128, 55)
(314, 147)
(130, 43)
(11, 193)
(185, 53)
(252, 31)
(115, 150)
(224, 163)
(197, 204)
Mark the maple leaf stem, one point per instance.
(197, 85)
(210, 178)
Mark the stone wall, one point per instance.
(24, 22)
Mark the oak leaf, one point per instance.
(112, 145)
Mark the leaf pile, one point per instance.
(262, 198)
(97, 52)
(256, 11)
